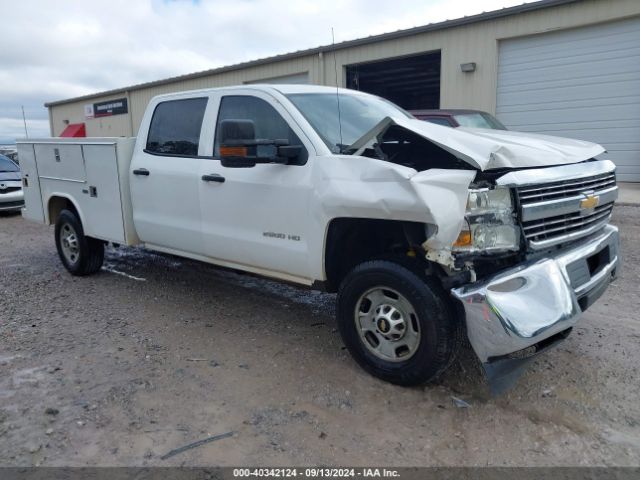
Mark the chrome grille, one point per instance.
(553, 213)
(565, 189)
(551, 228)
(9, 189)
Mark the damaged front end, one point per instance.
(525, 245)
(489, 231)
(526, 309)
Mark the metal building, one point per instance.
(561, 67)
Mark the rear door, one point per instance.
(257, 216)
(164, 176)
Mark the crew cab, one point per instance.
(428, 234)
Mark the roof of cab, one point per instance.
(445, 111)
(283, 89)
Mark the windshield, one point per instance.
(479, 120)
(358, 115)
(7, 165)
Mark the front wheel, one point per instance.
(79, 254)
(396, 323)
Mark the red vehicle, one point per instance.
(459, 118)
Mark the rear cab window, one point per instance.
(175, 127)
(268, 123)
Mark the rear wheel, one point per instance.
(397, 323)
(79, 254)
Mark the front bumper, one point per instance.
(11, 201)
(523, 310)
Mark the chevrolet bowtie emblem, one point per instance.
(591, 201)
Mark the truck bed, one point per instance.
(91, 173)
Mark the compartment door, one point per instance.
(101, 203)
(60, 161)
(33, 209)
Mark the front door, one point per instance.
(257, 216)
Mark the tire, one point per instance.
(380, 300)
(79, 254)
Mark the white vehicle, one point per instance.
(427, 233)
(11, 197)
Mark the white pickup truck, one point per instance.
(427, 233)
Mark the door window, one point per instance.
(268, 123)
(175, 127)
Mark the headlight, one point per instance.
(489, 222)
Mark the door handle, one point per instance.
(214, 177)
(141, 171)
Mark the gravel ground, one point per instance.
(156, 352)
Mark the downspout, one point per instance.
(321, 62)
(50, 109)
(129, 106)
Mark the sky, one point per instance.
(57, 50)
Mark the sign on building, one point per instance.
(118, 106)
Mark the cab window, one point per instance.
(175, 127)
(268, 123)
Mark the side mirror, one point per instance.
(240, 149)
(289, 152)
(237, 131)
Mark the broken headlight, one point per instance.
(489, 223)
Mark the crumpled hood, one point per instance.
(490, 149)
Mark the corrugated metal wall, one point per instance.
(127, 125)
(295, 79)
(477, 42)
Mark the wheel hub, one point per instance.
(389, 322)
(69, 243)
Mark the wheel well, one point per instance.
(56, 205)
(351, 241)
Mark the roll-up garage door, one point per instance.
(581, 83)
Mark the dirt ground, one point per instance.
(156, 352)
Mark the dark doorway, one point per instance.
(411, 82)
